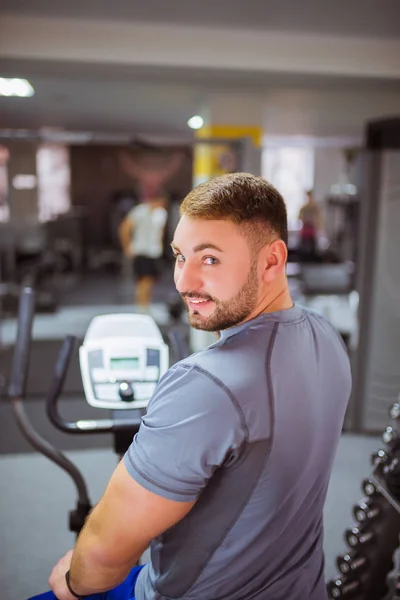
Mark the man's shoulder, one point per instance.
(187, 389)
(317, 317)
(231, 363)
(203, 374)
(195, 367)
(325, 332)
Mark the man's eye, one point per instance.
(210, 260)
(179, 257)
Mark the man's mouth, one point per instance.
(197, 302)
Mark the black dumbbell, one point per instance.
(351, 562)
(390, 436)
(391, 473)
(366, 510)
(343, 587)
(394, 411)
(369, 488)
(358, 536)
(380, 457)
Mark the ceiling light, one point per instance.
(196, 122)
(16, 87)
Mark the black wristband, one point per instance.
(71, 591)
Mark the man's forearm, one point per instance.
(93, 568)
(88, 576)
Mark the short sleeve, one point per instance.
(191, 428)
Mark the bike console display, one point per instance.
(122, 358)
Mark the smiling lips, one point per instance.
(197, 301)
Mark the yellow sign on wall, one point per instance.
(212, 160)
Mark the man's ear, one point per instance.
(274, 260)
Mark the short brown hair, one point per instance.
(247, 200)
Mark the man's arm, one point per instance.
(116, 534)
(190, 428)
(125, 234)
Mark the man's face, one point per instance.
(215, 273)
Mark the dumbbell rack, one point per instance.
(374, 537)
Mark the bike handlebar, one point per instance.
(20, 363)
(81, 426)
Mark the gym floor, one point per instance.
(37, 496)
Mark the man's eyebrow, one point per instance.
(199, 248)
(206, 246)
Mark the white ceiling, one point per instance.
(150, 100)
(83, 98)
(135, 99)
(344, 17)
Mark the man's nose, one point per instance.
(186, 279)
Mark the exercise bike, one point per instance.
(122, 357)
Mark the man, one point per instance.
(228, 474)
(141, 234)
(312, 225)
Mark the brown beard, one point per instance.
(227, 313)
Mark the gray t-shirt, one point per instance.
(249, 427)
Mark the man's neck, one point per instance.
(281, 301)
(276, 300)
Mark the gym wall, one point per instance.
(23, 203)
(97, 175)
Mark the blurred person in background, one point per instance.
(142, 231)
(312, 226)
(141, 235)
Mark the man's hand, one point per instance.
(57, 578)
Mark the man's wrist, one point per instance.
(71, 591)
